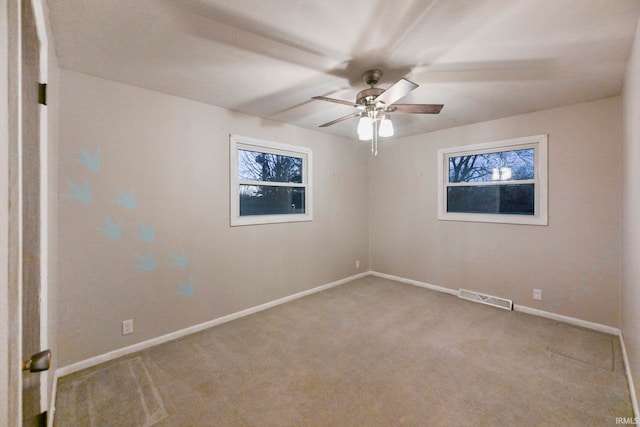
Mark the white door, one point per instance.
(25, 218)
(31, 219)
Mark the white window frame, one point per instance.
(236, 143)
(538, 142)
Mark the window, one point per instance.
(270, 182)
(503, 181)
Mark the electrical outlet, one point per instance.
(127, 327)
(537, 294)
(357, 263)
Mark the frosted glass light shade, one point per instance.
(365, 133)
(386, 127)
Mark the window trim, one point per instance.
(237, 142)
(538, 142)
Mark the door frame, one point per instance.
(4, 209)
(10, 210)
(43, 77)
(11, 239)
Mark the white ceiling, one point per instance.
(482, 59)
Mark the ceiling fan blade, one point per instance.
(398, 90)
(415, 108)
(359, 113)
(337, 101)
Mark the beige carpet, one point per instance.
(369, 353)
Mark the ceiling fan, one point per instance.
(375, 103)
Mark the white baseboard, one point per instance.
(596, 327)
(66, 370)
(541, 313)
(627, 368)
(566, 319)
(524, 309)
(415, 283)
(52, 403)
(84, 364)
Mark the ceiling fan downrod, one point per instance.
(366, 98)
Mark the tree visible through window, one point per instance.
(269, 199)
(503, 167)
(500, 178)
(497, 166)
(270, 182)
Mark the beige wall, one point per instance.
(630, 215)
(175, 154)
(575, 260)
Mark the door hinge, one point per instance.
(41, 419)
(42, 93)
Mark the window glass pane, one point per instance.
(511, 165)
(514, 199)
(257, 166)
(270, 200)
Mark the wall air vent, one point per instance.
(506, 304)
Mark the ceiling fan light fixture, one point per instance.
(375, 103)
(365, 132)
(386, 127)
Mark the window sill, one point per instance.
(269, 219)
(495, 218)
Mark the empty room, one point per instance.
(304, 213)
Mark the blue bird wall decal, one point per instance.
(179, 259)
(128, 200)
(147, 233)
(91, 162)
(112, 229)
(186, 288)
(81, 194)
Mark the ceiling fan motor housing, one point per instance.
(365, 97)
(372, 77)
